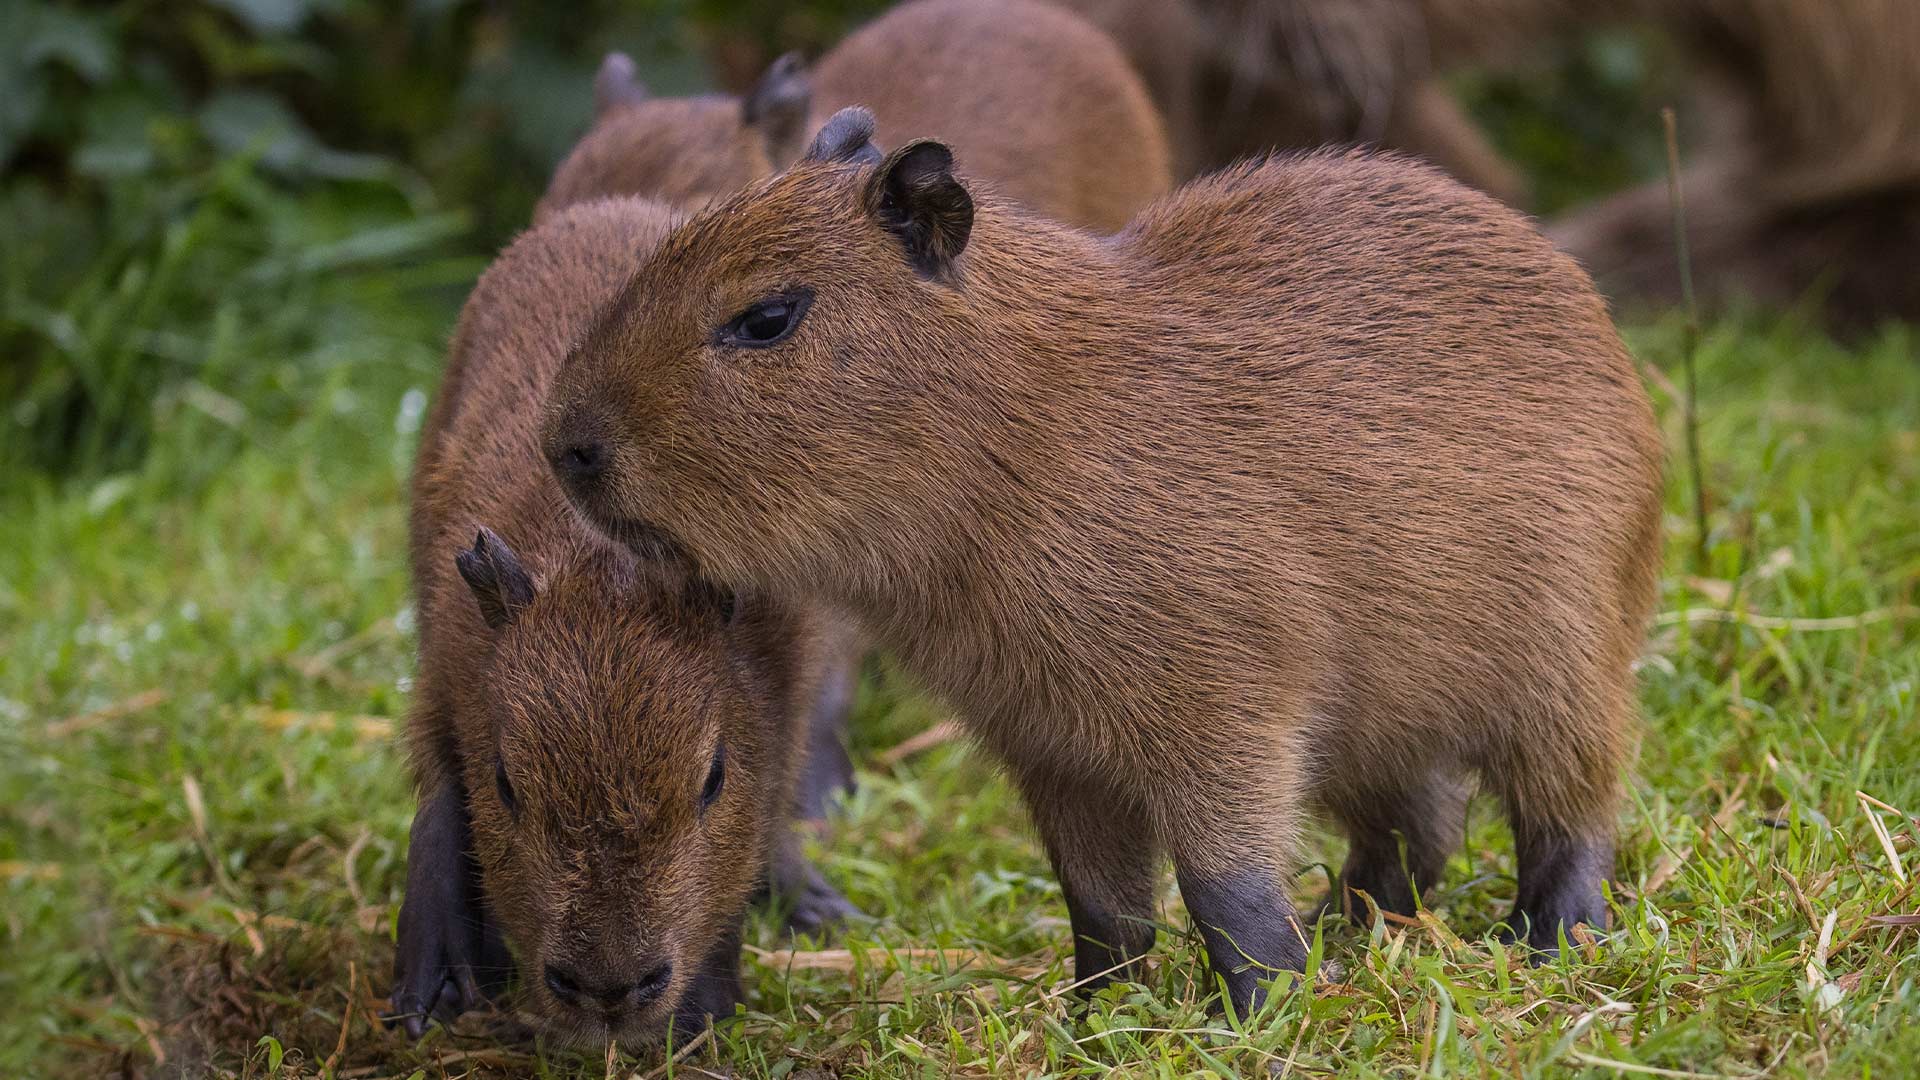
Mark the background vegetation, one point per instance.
(233, 236)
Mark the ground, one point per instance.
(203, 811)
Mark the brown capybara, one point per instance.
(1044, 105)
(1806, 123)
(1237, 78)
(1325, 483)
(606, 747)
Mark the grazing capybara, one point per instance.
(1325, 483)
(605, 747)
(1044, 105)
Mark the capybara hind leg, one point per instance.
(1232, 854)
(1560, 794)
(1561, 880)
(1104, 853)
(1399, 841)
(1251, 929)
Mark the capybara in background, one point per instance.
(605, 747)
(1325, 483)
(1806, 122)
(1045, 106)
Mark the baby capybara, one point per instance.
(1043, 104)
(1326, 483)
(605, 746)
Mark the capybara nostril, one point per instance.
(564, 985)
(648, 988)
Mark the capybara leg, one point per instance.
(1230, 826)
(1250, 927)
(1104, 853)
(448, 953)
(1398, 844)
(714, 991)
(1561, 875)
(1561, 788)
(811, 904)
(828, 771)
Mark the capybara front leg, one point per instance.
(1103, 850)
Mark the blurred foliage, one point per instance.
(208, 204)
(1588, 120)
(190, 186)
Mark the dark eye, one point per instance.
(767, 323)
(504, 788)
(716, 776)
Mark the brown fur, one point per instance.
(603, 700)
(1810, 176)
(1324, 483)
(1044, 105)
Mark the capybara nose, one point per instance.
(574, 991)
(581, 462)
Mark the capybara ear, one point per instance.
(846, 137)
(915, 195)
(778, 106)
(617, 84)
(499, 583)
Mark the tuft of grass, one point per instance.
(203, 816)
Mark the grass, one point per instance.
(203, 814)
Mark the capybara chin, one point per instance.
(1324, 483)
(605, 746)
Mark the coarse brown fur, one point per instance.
(1806, 123)
(1045, 106)
(572, 699)
(1326, 482)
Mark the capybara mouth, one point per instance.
(652, 543)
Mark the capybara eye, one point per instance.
(716, 776)
(504, 788)
(768, 322)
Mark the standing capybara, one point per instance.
(605, 747)
(1043, 104)
(1327, 482)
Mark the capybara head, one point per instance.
(787, 351)
(682, 150)
(621, 780)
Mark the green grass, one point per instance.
(202, 839)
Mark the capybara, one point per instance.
(1805, 128)
(1044, 105)
(605, 747)
(1325, 483)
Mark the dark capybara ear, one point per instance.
(778, 106)
(846, 137)
(617, 84)
(499, 583)
(915, 196)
